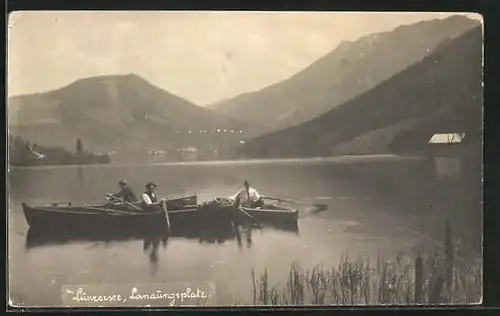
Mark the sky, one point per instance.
(204, 57)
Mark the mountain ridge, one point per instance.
(110, 109)
(448, 81)
(356, 67)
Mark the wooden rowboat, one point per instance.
(269, 214)
(94, 218)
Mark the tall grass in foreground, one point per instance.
(440, 277)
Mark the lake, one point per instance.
(377, 205)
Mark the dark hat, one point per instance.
(122, 182)
(150, 184)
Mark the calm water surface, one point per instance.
(370, 203)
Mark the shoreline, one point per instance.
(331, 159)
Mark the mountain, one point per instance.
(442, 93)
(349, 70)
(111, 111)
(215, 105)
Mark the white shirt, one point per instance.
(252, 195)
(147, 199)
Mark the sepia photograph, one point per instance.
(244, 158)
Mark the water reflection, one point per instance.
(152, 241)
(249, 237)
(247, 231)
(81, 176)
(36, 238)
(150, 247)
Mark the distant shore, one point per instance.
(332, 159)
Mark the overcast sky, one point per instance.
(202, 57)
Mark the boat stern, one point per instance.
(27, 214)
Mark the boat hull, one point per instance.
(271, 215)
(81, 219)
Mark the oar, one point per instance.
(220, 200)
(320, 206)
(105, 210)
(126, 202)
(250, 216)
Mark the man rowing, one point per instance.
(125, 193)
(247, 196)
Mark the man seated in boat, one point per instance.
(125, 193)
(149, 197)
(248, 197)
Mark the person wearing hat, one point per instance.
(125, 193)
(149, 196)
(247, 196)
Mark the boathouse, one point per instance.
(455, 153)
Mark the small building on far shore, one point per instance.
(455, 154)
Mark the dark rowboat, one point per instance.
(269, 214)
(95, 218)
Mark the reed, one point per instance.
(442, 276)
